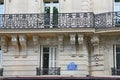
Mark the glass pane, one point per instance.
(55, 8)
(118, 56)
(47, 8)
(118, 49)
(117, 5)
(1, 9)
(45, 49)
(118, 61)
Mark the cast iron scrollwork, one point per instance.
(60, 20)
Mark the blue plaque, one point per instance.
(72, 66)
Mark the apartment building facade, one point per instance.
(60, 37)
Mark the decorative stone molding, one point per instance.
(60, 41)
(22, 40)
(35, 42)
(95, 40)
(14, 40)
(4, 42)
(73, 44)
(97, 62)
(72, 38)
(80, 39)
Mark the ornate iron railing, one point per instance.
(115, 71)
(48, 71)
(106, 20)
(61, 20)
(58, 78)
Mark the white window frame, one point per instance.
(53, 58)
(51, 5)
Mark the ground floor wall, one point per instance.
(93, 57)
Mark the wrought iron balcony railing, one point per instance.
(106, 20)
(61, 20)
(115, 71)
(48, 71)
(46, 20)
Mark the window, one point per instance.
(118, 56)
(51, 6)
(51, 10)
(117, 5)
(116, 60)
(49, 61)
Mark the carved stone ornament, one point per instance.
(72, 38)
(22, 39)
(4, 44)
(60, 41)
(80, 38)
(35, 42)
(95, 40)
(14, 40)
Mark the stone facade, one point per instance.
(91, 50)
(65, 6)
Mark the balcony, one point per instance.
(61, 20)
(115, 71)
(107, 20)
(48, 71)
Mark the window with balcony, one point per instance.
(51, 10)
(48, 61)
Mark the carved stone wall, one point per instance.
(73, 43)
(36, 43)
(60, 41)
(23, 40)
(72, 48)
(4, 44)
(14, 40)
(97, 58)
(16, 62)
